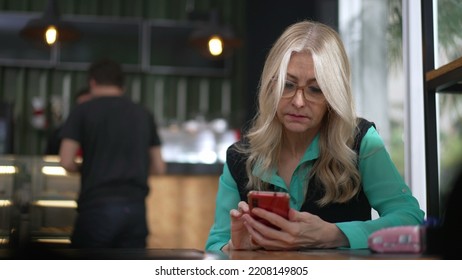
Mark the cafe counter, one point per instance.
(38, 203)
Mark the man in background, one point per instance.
(121, 148)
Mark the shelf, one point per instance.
(55, 203)
(447, 78)
(5, 203)
(54, 236)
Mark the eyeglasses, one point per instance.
(311, 93)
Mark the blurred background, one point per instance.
(201, 100)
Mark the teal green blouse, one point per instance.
(383, 185)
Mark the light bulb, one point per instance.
(51, 35)
(215, 46)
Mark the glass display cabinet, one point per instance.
(7, 173)
(37, 201)
(53, 201)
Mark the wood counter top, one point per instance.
(321, 254)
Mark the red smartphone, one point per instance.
(276, 202)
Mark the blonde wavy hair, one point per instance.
(336, 167)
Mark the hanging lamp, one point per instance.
(49, 28)
(213, 40)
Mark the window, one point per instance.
(448, 40)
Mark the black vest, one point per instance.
(356, 209)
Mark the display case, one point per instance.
(7, 173)
(38, 203)
(53, 201)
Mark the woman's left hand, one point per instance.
(301, 230)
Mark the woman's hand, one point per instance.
(240, 237)
(301, 230)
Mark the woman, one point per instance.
(302, 142)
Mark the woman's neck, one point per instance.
(295, 144)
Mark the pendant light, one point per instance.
(49, 28)
(213, 40)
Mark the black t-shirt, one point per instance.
(115, 135)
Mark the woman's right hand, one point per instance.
(240, 237)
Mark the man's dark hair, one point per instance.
(106, 72)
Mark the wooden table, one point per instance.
(317, 254)
(194, 254)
